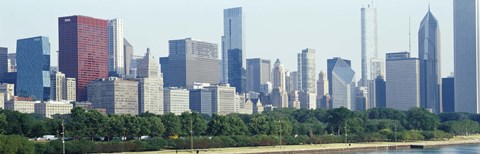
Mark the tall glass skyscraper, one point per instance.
(342, 81)
(33, 68)
(116, 52)
(466, 55)
(83, 50)
(369, 44)
(235, 71)
(258, 72)
(233, 37)
(306, 71)
(430, 68)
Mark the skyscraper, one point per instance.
(57, 81)
(190, 61)
(236, 76)
(128, 50)
(466, 55)
(306, 71)
(448, 94)
(3, 63)
(258, 73)
(403, 81)
(116, 52)
(83, 50)
(380, 92)
(330, 66)
(150, 86)
(176, 100)
(342, 83)
(115, 95)
(369, 42)
(33, 68)
(279, 92)
(430, 68)
(322, 91)
(233, 37)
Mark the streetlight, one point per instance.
(63, 137)
(191, 132)
(346, 134)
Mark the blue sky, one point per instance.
(274, 28)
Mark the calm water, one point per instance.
(463, 149)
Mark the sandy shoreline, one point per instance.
(329, 148)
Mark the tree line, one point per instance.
(96, 130)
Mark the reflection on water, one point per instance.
(464, 149)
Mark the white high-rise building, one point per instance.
(279, 97)
(343, 84)
(233, 37)
(116, 53)
(466, 30)
(70, 89)
(62, 88)
(223, 99)
(176, 100)
(150, 86)
(403, 81)
(306, 78)
(368, 41)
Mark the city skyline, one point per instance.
(343, 41)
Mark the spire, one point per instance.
(429, 7)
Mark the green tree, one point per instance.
(199, 125)
(3, 123)
(156, 126)
(337, 119)
(258, 125)
(421, 119)
(172, 125)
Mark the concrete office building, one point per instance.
(176, 100)
(115, 95)
(50, 108)
(233, 37)
(430, 64)
(150, 86)
(306, 78)
(448, 94)
(70, 90)
(322, 91)
(342, 83)
(12, 62)
(134, 62)
(258, 73)
(466, 55)
(380, 92)
(33, 68)
(201, 100)
(83, 50)
(403, 82)
(190, 61)
(21, 106)
(8, 90)
(223, 99)
(116, 52)
(62, 88)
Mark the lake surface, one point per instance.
(463, 149)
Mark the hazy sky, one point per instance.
(274, 28)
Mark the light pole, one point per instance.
(395, 132)
(280, 121)
(191, 132)
(63, 137)
(346, 134)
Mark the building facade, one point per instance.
(279, 91)
(115, 95)
(430, 64)
(448, 94)
(128, 51)
(3, 63)
(236, 73)
(83, 50)
(233, 37)
(403, 81)
(223, 99)
(190, 61)
(258, 72)
(466, 55)
(150, 86)
(177, 100)
(33, 68)
(48, 109)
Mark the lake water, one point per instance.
(463, 149)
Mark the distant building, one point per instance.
(294, 100)
(430, 63)
(380, 92)
(116, 52)
(201, 100)
(342, 83)
(8, 90)
(466, 30)
(232, 39)
(48, 109)
(403, 81)
(150, 86)
(236, 73)
(306, 78)
(21, 106)
(2, 101)
(322, 91)
(448, 94)
(257, 106)
(176, 100)
(258, 73)
(279, 92)
(12, 62)
(190, 61)
(115, 95)
(223, 99)
(3, 63)
(33, 68)
(128, 51)
(83, 50)
(369, 44)
(62, 88)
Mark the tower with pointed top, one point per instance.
(150, 86)
(429, 57)
(279, 92)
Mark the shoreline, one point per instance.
(333, 147)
